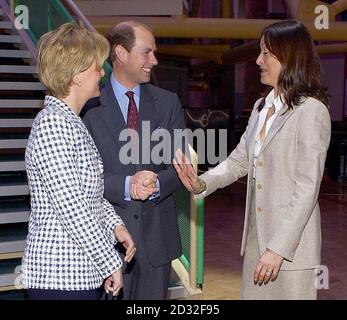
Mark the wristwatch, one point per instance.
(201, 188)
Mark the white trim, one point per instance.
(5, 25)
(16, 123)
(17, 69)
(12, 85)
(8, 103)
(10, 39)
(15, 53)
(14, 190)
(12, 246)
(12, 165)
(14, 217)
(13, 143)
(8, 279)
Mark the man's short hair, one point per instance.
(67, 51)
(124, 34)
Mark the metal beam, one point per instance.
(332, 48)
(225, 8)
(133, 7)
(184, 27)
(191, 51)
(222, 54)
(339, 6)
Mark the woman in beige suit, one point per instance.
(282, 151)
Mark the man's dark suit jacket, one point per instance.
(162, 108)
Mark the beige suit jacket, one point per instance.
(288, 176)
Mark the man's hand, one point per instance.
(114, 283)
(268, 267)
(124, 237)
(143, 185)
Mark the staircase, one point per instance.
(21, 97)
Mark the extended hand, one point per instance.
(187, 173)
(268, 267)
(114, 282)
(124, 237)
(143, 185)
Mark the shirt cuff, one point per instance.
(156, 194)
(127, 196)
(200, 195)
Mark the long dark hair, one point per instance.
(301, 76)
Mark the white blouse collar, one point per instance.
(277, 101)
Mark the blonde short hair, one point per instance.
(67, 51)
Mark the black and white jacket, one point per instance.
(70, 243)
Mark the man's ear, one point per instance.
(121, 53)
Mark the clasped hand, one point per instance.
(143, 185)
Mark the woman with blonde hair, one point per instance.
(72, 228)
(283, 152)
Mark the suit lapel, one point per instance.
(113, 118)
(276, 125)
(111, 113)
(148, 121)
(250, 139)
(148, 108)
(252, 129)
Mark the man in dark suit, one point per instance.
(140, 191)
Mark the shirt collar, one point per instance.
(272, 100)
(120, 90)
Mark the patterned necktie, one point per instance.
(132, 111)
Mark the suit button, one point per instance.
(136, 216)
(260, 163)
(258, 209)
(259, 186)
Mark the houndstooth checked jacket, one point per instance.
(70, 243)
